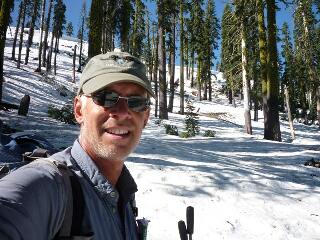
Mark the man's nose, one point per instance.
(121, 109)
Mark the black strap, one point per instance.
(78, 205)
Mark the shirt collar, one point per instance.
(126, 185)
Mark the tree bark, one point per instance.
(163, 111)
(74, 63)
(43, 9)
(14, 43)
(45, 39)
(245, 83)
(272, 127)
(5, 9)
(287, 100)
(31, 30)
(23, 16)
(181, 58)
(172, 63)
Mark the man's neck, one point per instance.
(111, 169)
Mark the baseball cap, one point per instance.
(113, 67)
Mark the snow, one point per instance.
(241, 186)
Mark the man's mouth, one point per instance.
(117, 131)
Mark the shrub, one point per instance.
(184, 135)
(192, 120)
(65, 114)
(171, 129)
(209, 133)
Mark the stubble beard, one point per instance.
(98, 148)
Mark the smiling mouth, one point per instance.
(118, 132)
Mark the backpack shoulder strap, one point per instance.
(71, 226)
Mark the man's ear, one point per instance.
(77, 108)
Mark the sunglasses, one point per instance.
(110, 99)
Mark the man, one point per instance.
(112, 108)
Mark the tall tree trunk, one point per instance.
(55, 55)
(199, 66)
(155, 71)
(287, 100)
(95, 27)
(49, 57)
(74, 63)
(181, 58)
(43, 10)
(192, 69)
(81, 42)
(14, 43)
(5, 9)
(45, 39)
(163, 111)
(173, 63)
(272, 128)
(309, 59)
(23, 16)
(31, 30)
(245, 82)
(263, 62)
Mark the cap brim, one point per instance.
(99, 82)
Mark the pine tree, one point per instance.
(163, 111)
(197, 25)
(23, 17)
(81, 32)
(230, 53)
(305, 41)
(147, 52)
(45, 39)
(182, 8)
(5, 9)
(155, 43)
(123, 24)
(171, 50)
(192, 120)
(272, 124)
(14, 43)
(210, 39)
(43, 10)
(242, 13)
(69, 29)
(60, 20)
(289, 74)
(95, 28)
(138, 33)
(34, 17)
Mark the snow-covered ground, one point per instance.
(241, 186)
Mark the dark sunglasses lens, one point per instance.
(110, 99)
(138, 104)
(106, 99)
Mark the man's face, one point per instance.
(110, 133)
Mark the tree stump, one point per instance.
(24, 105)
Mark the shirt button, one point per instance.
(113, 194)
(114, 210)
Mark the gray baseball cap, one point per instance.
(113, 67)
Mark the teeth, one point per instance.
(118, 131)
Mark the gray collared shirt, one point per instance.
(32, 200)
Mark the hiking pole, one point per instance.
(190, 221)
(182, 230)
